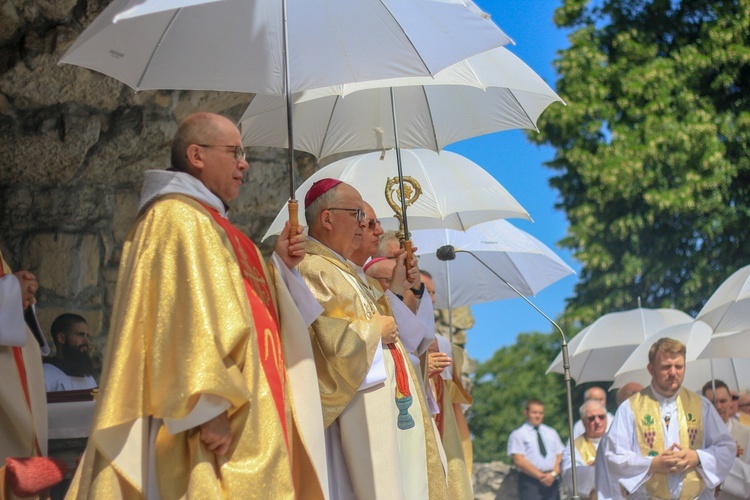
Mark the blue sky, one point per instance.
(518, 165)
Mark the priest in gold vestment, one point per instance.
(667, 442)
(206, 388)
(373, 409)
(23, 404)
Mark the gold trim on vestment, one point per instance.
(650, 432)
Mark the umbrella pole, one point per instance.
(404, 222)
(293, 205)
(566, 372)
(450, 304)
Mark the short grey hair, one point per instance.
(584, 409)
(322, 202)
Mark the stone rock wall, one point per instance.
(73, 148)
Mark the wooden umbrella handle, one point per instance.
(293, 218)
(409, 254)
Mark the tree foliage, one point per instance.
(652, 149)
(503, 384)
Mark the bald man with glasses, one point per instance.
(374, 411)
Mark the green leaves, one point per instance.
(651, 151)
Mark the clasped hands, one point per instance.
(674, 460)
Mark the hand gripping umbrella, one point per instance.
(278, 47)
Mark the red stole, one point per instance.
(264, 314)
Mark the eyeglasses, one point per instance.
(735, 397)
(358, 212)
(596, 417)
(372, 224)
(238, 151)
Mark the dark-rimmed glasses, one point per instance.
(372, 223)
(358, 212)
(591, 418)
(237, 151)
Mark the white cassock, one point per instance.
(737, 484)
(628, 467)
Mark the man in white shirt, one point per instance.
(72, 367)
(594, 418)
(666, 441)
(737, 483)
(536, 450)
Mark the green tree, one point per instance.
(503, 383)
(652, 149)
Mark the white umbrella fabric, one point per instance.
(600, 349)
(527, 263)
(727, 311)
(238, 45)
(695, 336)
(489, 92)
(456, 192)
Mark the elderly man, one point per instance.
(594, 417)
(536, 450)
(737, 483)
(72, 367)
(743, 405)
(593, 394)
(373, 409)
(208, 384)
(666, 441)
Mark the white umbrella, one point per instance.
(238, 45)
(267, 46)
(727, 312)
(600, 349)
(489, 92)
(456, 192)
(695, 336)
(525, 262)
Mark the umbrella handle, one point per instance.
(293, 218)
(409, 254)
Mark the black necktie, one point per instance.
(542, 449)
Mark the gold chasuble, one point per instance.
(23, 403)
(382, 458)
(650, 432)
(450, 394)
(195, 320)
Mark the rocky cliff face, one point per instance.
(73, 148)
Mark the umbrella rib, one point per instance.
(328, 127)
(432, 119)
(523, 109)
(156, 47)
(395, 20)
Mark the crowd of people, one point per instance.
(315, 374)
(664, 441)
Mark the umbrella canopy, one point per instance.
(455, 192)
(489, 92)
(727, 312)
(600, 349)
(527, 263)
(695, 336)
(238, 45)
(728, 309)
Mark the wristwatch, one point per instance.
(553, 473)
(418, 292)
